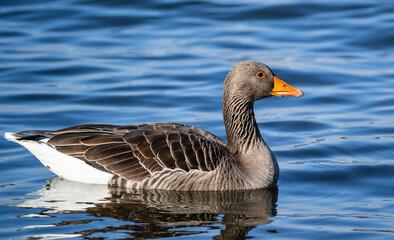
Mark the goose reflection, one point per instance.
(156, 213)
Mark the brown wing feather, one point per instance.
(179, 156)
(71, 138)
(116, 158)
(101, 139)
(98, 152)
(135, 152)
(170, 127)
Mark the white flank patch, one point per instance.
(61, 164)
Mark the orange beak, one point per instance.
(282, 89)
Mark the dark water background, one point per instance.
(70, 62)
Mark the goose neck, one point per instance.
(240, 123)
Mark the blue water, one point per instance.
(71, 62)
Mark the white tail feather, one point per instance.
(61, 164)
(10, 136)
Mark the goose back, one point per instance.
(135, 152)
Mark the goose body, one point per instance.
(168, 155)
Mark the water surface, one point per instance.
(71, 62)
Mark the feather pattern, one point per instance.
(169, 155)
(135, 152)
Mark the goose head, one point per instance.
(254, 81)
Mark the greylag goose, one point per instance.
(168, 155)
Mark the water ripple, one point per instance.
(81, 61)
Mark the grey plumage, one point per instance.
(181, 157)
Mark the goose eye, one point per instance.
(260, 74)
